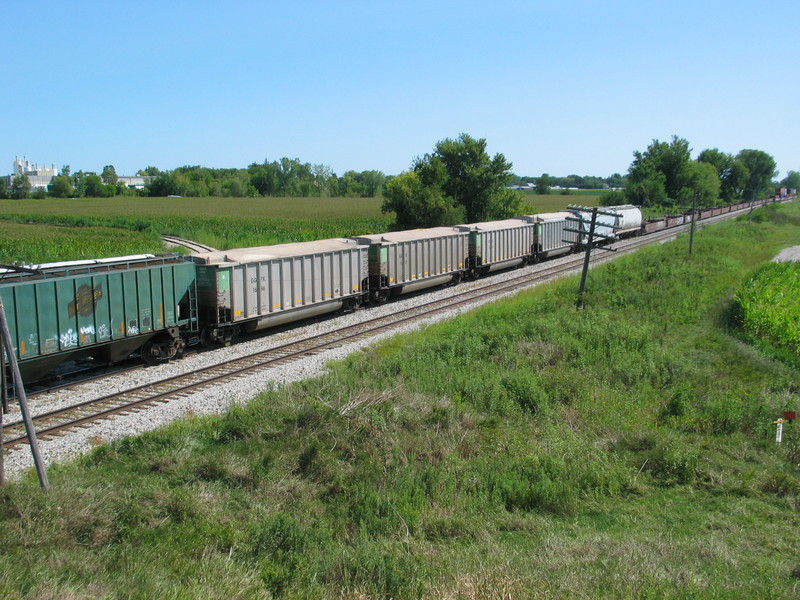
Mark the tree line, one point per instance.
(665, 175)
(287, 177)
(457, 182)
(545, 182)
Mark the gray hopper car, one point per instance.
(551, 237)
(248, 289)
(495, 245)
(406, 261)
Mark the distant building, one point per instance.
(39, 175)
(137, 182)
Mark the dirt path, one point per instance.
(788, 254)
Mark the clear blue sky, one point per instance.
(558, 87)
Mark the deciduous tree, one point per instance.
(762, 169)
(416, 204)
(732, 173)
(109, 175)
(93, 187)
(792, 180)
(462, 171)
(61, 187)
(543, 184)
(702, 183)
(20, 187)
(659, 173)
(457, 181)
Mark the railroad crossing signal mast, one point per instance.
(588, 228)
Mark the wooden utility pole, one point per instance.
(587, 258)
(23, 402)
(590, 244)
(691, 228)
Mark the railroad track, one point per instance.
(189, 244)
(57, 422)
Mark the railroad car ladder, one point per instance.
(194, 312)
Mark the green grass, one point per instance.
(523, 450)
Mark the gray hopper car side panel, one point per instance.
(551, 237)
(275, 280)
(406, 257)
(497, 243)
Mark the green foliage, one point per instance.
(615, 198)
(109, 175)
(575, 182)
(702, 184)
(732, 172)
(61, 187)
(781, 483)
(287, 177)
(792, 180)
(209, 221)
(668, 458)
(458, 176)
(31, 244)
(92, 186)
(543, 184)
(418, 205)
(769, 305)
(761, 167)
(658, 175)
(20, 187)
(664, 175)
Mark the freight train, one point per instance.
(156, 306)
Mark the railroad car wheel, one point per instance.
(149, 352)
(380, 296)
(208, 341)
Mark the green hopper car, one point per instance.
(104, 309)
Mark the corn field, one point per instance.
(769, 305)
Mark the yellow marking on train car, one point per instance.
(237, 313)
(426, 273)
(391, 280)
(328, 294)
(276, 306)
(22, 348)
